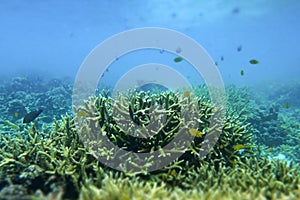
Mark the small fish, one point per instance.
(195, 132)
(14, 126)
(221, 146)
(239, 48)
(178, 59)
(81, 113)
(287, 105)
(242, 72)
(186, 93)
(222, 58)
(235, 10)
(239, 147)
(16, 114)
(173, 172)
(253, 61)
(178, 50)
(11, 125)
(271, 148)
(235, 162)
(31, 116)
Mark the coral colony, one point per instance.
(61, 162)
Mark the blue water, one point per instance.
(53, 37)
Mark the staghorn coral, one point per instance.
(131, 117)
(58, 160)
(43, 160)
(251, 180)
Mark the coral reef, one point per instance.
(120, 125)
(57, 163)
(275, 128)
(250, 180)
(24, 94)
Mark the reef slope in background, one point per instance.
(254, 158)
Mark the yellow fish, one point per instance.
(5, 123)
(16, 114)
(186, 93)
(221, 146)
(239, 147)
(81, 113)
(287, 105)
(173, 172)
(195, 132)
(234, 162)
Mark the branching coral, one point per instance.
(60, 160)
(254, 179)
(144, 122)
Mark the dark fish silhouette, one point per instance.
(239, 48)
(31, 116)
(178, 59)
(235, 10)
(242, 72)
(254, 62)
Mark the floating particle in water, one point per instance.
(253, 61)
(161, 51)
(178, 59)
